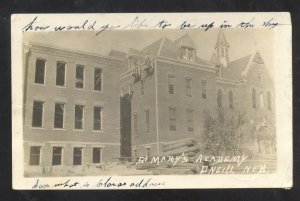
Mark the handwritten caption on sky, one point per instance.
(142, 23)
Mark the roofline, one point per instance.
(74, 53)
(207, 68)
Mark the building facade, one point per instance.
(170, 87)
(72, 110)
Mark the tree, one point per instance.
(223, 131)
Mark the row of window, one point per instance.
(172, 120)
(57, 155)
(188, 86)
(59, 116)
(40, 71)
(261, 100)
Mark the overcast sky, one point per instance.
(242, 42)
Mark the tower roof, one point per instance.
(221, 41)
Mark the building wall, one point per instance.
(108, 98)
(181, 101)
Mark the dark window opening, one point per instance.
(59, 115)
(230, 96)
(77, 156)
(204, 89)
(79, 109)
(98, 79)
(219, 98)
(37, 114)
(57, 156)
(60, 73)
(97, 155)
(188, 86)
(79, 80)
(172, 119)
(97, 118)
(40, 71)
(253, 98)
(171, 80)
(190, 125)
(35, 152)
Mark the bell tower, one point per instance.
(222, 47)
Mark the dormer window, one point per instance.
(187, 53)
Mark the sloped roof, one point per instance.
(185, 40)
(235, 68)
(221, 41)
(116, 53)
(167, 48)
(214, 59)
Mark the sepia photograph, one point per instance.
(133, 106)
(149, 102)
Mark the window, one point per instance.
(269, 100)
(187, 53)
(60, 73)
(147, 117)
(203, 89)
(183, 53)
(172, 118)
(171, 81)
(97, 118)
(35, 152)
(79, 112)
(260, 77)
(222, 51)
(253, 98)
(59, 115)
(142, 87)
(79, 80)
(190, 54)
(37, 114)
(190, 126)
(77, 156)
(135, 123)
(40, 71)
(97, 155)
(98, 79)
(188, 86)
(230, 96)
(261, 100)
(56, 156)
(148, 151)
(219, 98)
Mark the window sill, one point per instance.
(37, 84)
(61, 87)
(38, 128)
(80, 89)
(59, 129)
(98, 91)
(78, 130)
(97, 131)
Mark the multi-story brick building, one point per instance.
(83, 109)
(72, 110)
(167, 87)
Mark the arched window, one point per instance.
(269, 100)
(219, 98)
(261, 100)
(253, 98)
(230, 96)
